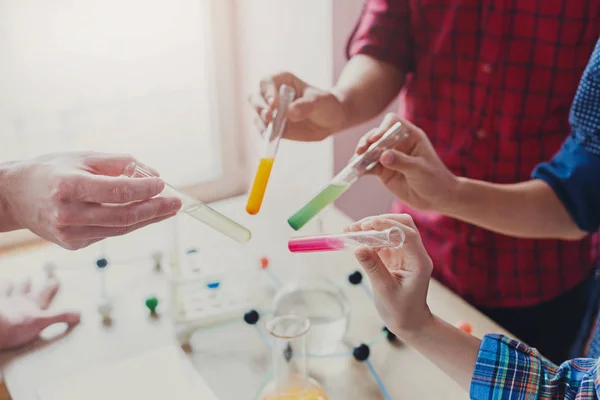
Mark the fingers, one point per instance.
(266, 101)
(268, 90)
(46, 295)
(47, 318)
(401, 162)
(116, 215)
(415, 136)
(301, 108)
(365, 141)
(114, 164)
(71, 236)
(379, 275)
(375, 134)
(262, 109)
(413, 246)
(107, 189)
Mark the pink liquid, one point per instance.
(307, 245)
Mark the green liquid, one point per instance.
(316, 205)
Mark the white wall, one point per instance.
(292, 35)
(308, 38)
(367, 196)
(101, 75)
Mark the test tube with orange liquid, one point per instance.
(272, 137)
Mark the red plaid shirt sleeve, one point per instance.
(492, 83)
(384, 32)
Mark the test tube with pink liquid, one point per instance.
(390, 238)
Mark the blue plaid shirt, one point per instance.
(507, 369)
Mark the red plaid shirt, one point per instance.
(491, 82)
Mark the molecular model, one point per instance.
(360, 353)
(205, 293)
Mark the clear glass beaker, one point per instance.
(290, 368)
(321, 301)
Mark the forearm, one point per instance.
(7, 222)
(366, 87)
(528, 209)
(450, 349)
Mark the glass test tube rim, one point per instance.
(287, 93)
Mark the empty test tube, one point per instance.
(390, 238)
(272, 138)
(356, 168)
(202, 212)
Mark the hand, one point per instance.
(399, 277)
(24, 314)
(313, 116)
(76, 199)
(412, 171)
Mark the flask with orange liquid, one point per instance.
(290, 371)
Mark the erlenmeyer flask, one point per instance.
(290, 368)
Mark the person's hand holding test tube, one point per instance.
(272, 138)
(357, 167)
(202, 212)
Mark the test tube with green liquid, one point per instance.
(356, 168)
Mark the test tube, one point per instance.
(390, 238)
(356, 168)
(272, 138)
(202, 212)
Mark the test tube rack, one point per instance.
(206, 290)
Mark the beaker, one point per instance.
(321, 301)
(290, 367)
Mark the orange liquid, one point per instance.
(259, 186)
(299, 394)
(297, 389)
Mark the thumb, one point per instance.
(47, 318)
(371, 263)
(302, 108)
(401, 162)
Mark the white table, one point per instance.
(232, 359)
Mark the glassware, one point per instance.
(272, 138)
(202, 212)
(356, 168)
(290, 367)
(321, 301)
(392, 238)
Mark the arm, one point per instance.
(76, 199)
(528, 209)
(499, 367)
(366, 87)
(560, 202)
(493, 368)
(450, 349)
(380, 52)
